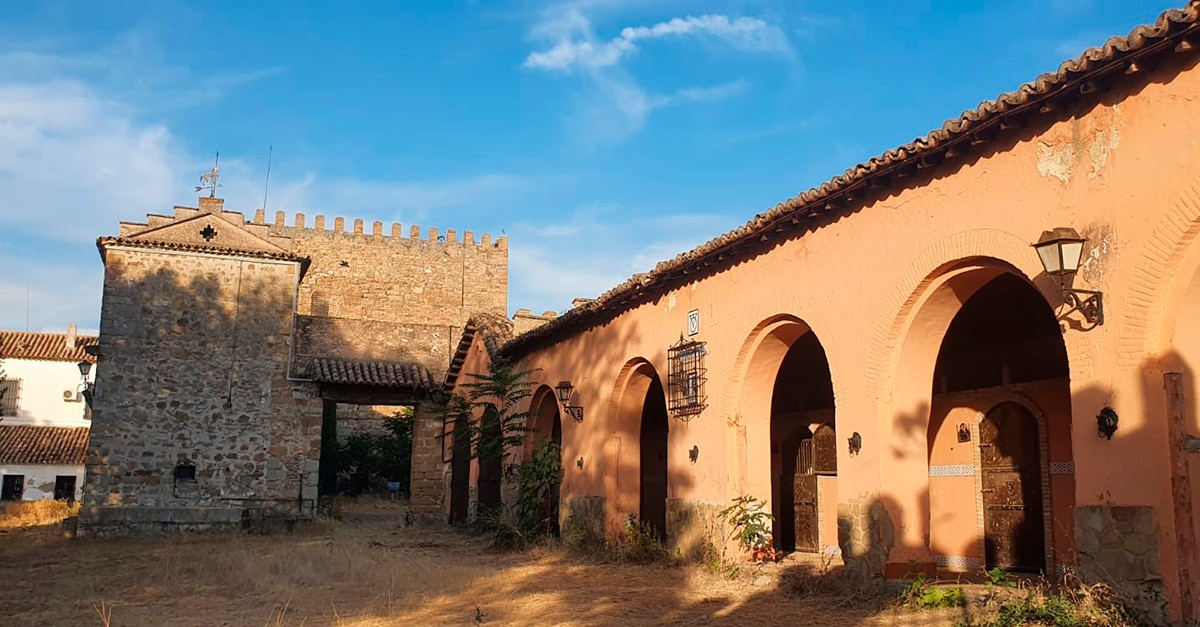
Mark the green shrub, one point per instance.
(639, 543)
(928, 596)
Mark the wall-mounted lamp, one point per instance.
(564, 390)
(964, 432)
(1060, 250)
(855, 441)
(84, 368)
(694, 454)
(1106, 422)
(579, 463)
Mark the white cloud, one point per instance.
(612, 104)
(576, 47)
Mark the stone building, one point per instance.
(226, 342)
(890, 363)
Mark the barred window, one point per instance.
(10, 396)
(685, 379)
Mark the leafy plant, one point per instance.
(750, 526)
(1071, 605)
(928, 596)
(536, 479)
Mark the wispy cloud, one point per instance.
(741, 33)
(612, 103)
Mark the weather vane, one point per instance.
(208, 180)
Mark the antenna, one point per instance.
(208, 180)
(27, 308)
(267, 185)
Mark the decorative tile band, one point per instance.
(1062, 468)
(958, 562)
(952, 470)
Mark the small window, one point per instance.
(10, 396)
(685, 379)
(13, 488)
(185, 472)
(64, 488)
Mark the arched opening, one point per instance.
(787, 406)
(547, 421)
(999, 419)
(460, 473)
(491, 461)
(652, 505)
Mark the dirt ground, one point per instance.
(369, 569)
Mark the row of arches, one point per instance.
(978, 429)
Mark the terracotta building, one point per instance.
(226, 343)
(889, 361)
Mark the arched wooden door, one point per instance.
(654, 430)
(460, 473)
(1010, 461)
(804, 498)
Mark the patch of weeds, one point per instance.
(639, 543)
(929, 596)
(505, 535)
(583, 538)
(714, 562)
(1074, 604)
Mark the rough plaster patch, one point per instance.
(1102, 144)
(1055, 161)
(671, 301)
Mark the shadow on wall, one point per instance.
(194, 411)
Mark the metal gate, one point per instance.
(805, 500)
(1010, 459)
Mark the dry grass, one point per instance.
(369, 569)
(35, 513)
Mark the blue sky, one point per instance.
(601, 136)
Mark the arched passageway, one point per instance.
(460, 473)
(547, 422)
(787, 407)
(999, 421)
(491, 461)
(652, 506)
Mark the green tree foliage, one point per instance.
(372, 461)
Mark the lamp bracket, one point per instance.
(575, 412)
(1090, 303)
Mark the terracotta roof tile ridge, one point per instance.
(104, 242)
(831, 197)
(45, 346)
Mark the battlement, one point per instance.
(396, 231)
(299, 227)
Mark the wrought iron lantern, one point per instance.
(1060, 250)
(1106, 422)
(855, 441)
(85, 367)
(564, 389)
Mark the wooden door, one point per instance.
(460, 473)
(1010, 459)
(805, 498)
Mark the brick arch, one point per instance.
(981, 246)
(1153, 286)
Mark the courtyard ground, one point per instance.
(369, 569)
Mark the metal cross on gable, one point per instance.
(208, 180)
(208, 233)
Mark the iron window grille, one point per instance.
(685, 379)
(10, 389)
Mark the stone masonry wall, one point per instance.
(194, 371)
(371, 295)
(1118, 546)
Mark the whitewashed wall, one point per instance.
(39, 479)
(42, 387)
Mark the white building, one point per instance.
(44, 416)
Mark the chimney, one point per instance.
(72, 331)
(211, 205)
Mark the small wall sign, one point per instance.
(694, 322)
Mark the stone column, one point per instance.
(429, 472)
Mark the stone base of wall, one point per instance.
(584, 521)
(1118, 545)
(866, 538)
(693, 527)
